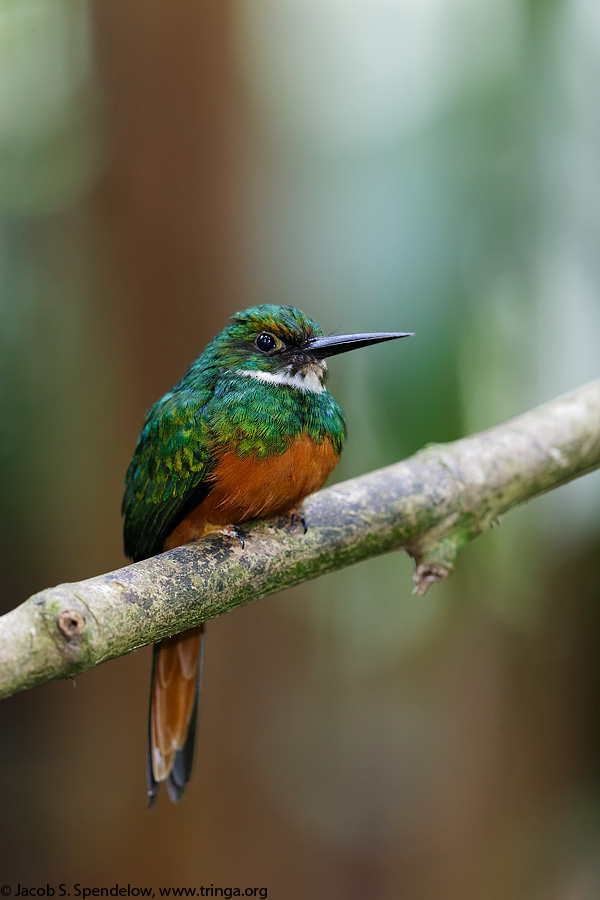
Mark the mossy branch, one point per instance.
(431, 505)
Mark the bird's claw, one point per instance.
(234, 531)
(296, 516)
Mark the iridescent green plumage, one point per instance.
(216, 407)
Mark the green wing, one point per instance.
(167, 475)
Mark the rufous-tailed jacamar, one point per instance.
(249, 431)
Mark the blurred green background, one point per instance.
(393, 164)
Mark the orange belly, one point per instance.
(250, 488)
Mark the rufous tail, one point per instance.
(174, 700)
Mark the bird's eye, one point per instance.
(266, 342)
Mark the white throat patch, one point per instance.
(309, 381)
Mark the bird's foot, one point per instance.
(227, 530)
(296, 516)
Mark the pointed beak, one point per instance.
(322, 347)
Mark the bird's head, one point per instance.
(281, 344)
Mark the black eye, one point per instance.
(265, 342)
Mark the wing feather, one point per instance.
(167, 476)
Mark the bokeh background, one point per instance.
(391, 164)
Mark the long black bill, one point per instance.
(321, 347)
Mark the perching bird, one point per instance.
(249, 431)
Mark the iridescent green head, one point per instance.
(283, 345)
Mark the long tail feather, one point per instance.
(174, 702)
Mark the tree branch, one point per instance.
(431, 505)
